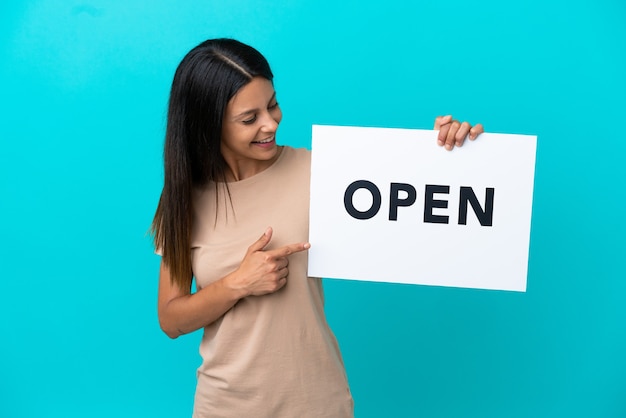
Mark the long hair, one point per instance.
(204, 82)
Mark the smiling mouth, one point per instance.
(265, 141)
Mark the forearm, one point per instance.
(187, 313)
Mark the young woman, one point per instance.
(233, 213)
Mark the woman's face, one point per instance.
(249, 129)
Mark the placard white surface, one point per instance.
(408, 249)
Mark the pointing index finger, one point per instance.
(289, 249)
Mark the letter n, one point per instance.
(485, 217)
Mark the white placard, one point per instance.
(399, 182)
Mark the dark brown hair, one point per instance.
(204, 82)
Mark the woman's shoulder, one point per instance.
(295, 160)
(297, 151)
(299, 155)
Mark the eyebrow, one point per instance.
(247, 112)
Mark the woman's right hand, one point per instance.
(264, 271)
(261, 272)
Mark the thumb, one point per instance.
(441, 120)
(262, 241)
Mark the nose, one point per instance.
(270, 122)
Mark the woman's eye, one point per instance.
(249, 121)
(273, 106)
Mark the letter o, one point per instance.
(376, 197)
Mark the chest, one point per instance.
(225, 225)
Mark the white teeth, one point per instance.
(265, 141)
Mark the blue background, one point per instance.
(84, 88)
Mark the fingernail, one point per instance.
(439, 142)
(307, 246)
(448, 147)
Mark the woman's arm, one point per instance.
(181, 312)
(260, 272)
